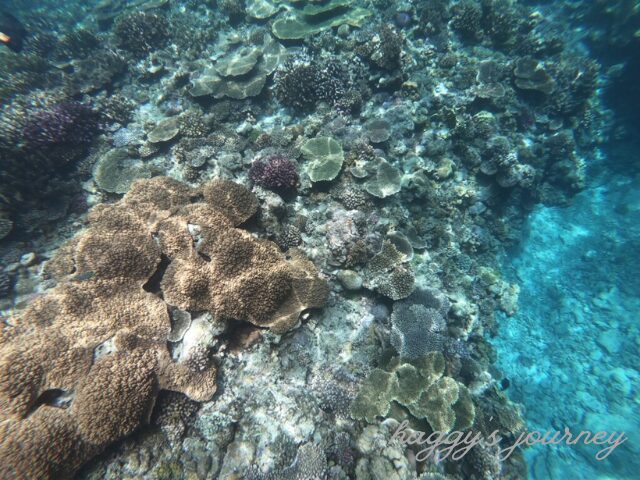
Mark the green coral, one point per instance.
(263, 9)
(386, 181)
(6, 225)
(239, 62)
(115, 171)
(305, 19)
(325, 158)
(241, 73)
(419, 389)
(375, 396)
(165, 130)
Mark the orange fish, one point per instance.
(12, 33)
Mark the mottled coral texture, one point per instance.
(63, 124)
(274, 172)
(82, 365)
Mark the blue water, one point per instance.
(571, 351)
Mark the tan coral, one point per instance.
(309, 291)
(186, 284)
(197, 385)
(45, 445)
(236, 202)
(110, 255)
(122, 383)
(162, 193)
(99, 338)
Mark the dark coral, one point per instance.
(419, 326)
(289, 237)
(62, 124)
(77, 44)
(304, 81)
(275, 172)
(141, 32)
(434, 16)
(5, 284)
(385, 51)
(500, 21)
(172, 413)
(467, 20)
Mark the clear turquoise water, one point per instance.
(571, 352)
(572, 349)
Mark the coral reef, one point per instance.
(311, 19)
(421, 388)
(325, 158)
(394, 150)
(141, 32)
(91, 347)
(274, 172)
(303, 81)
(241, 73)
(386, 273)
(62, 124)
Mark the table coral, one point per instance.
(420, 387)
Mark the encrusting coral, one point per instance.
(97, 342)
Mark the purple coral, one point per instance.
(63, 124)
(274, 172)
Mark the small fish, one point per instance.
(81, 277)
(12, 33)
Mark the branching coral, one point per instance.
(141, 32)
(384, 49)
(69, 123)
(274, 172)
(97, 343)
(303, 81)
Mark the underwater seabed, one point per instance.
(571, 351)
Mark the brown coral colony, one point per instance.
(82, 366)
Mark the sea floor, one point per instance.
(572, 350)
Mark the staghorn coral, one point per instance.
(78, 43)
(302, 81)
(467, 19)
(384, 49)
(97, 342)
